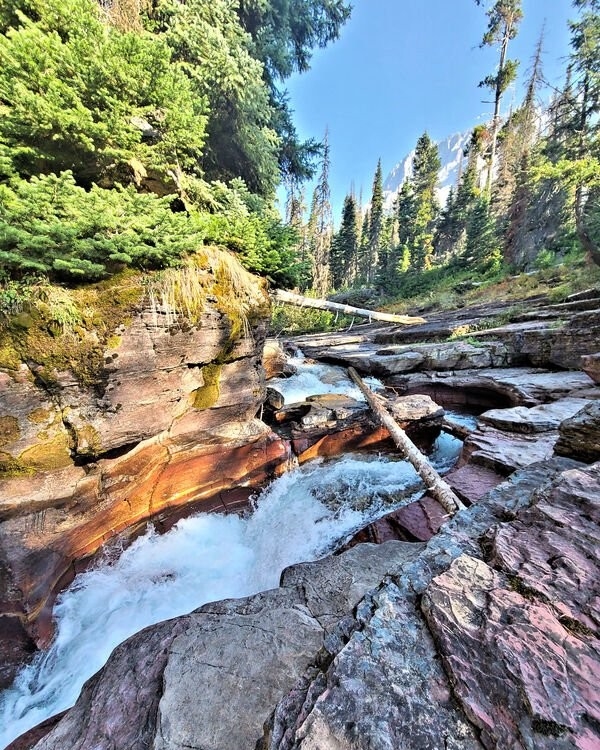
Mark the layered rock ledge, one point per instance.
(167, 425)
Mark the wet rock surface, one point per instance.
(486, 637)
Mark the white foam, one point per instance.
(209, 557)
(203, 558)
(312, 379)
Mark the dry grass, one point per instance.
(211, 275)
(125, 15)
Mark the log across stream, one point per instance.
(301, 516)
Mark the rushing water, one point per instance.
(207, 557)
(313, 378)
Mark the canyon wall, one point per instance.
(167, 420)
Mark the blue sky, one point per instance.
(401, 67)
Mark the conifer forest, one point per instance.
(133, 132)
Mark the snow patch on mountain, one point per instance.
(451, 155)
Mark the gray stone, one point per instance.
(533, 419)
(579, 436)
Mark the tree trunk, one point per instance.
(435, 485)
(321, 304)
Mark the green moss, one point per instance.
(54, 454)
(113, 342)
(548, 728)
(89, 442)
(9, 430)
(11, 467)
(208, 394)
(39, 416)
(69, 329)
(574, 626)
(9, 357)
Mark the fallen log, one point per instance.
(290, 298)
(436, 486)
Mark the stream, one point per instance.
(301, 516)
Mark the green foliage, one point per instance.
(344, 247)
(77, 94)
(320, 228)
(286, 31)
(288, 319)
(209, 44)
(49, 225)
(482, 244)
(371, 258)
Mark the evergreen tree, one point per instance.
(320, 228)
(373, 246)
(482, 249)
(405, 211)
(503, 22)
(79, 95)
(344, 247)
(426, 166)
(284, 34)
(517, 138)
(363, 248)
(573, 149)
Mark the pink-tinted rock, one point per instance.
(590, 364)
(472, 482)
(551, 549)
(521, 676)
(505, 452)
(416, 522)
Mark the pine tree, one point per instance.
(320, 227)
(406, 215)
(375, 227)
(585, 43)
(573, 148)
(426, 166)
(482, 249)
(503, 22)
(344, 247)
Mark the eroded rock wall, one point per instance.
(168, 421)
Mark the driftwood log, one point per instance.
(290, 298)
(434, 483)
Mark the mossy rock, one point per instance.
(69, 329)
(11, 467)
(41, 416)
(9, 357)
(208, 394)
(54, 454)
(9, 430)
(89, 441)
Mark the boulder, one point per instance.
(534, 419)
(485, 637)
(275, 361)
(579, 435)
(211, 678)
(590, 364)
(501, 387)
(505, 452)
(166, 422)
